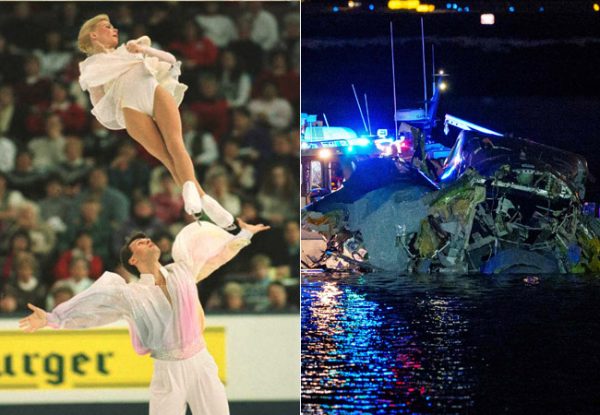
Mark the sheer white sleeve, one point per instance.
(103, 303)
(206, 247)
(229, 251)
(160, 54)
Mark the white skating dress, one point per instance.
(128, 80)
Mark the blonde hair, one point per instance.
(84, 42)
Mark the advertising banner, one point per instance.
(80, 359)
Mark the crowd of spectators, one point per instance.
(71, 190)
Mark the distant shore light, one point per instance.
(488, 19)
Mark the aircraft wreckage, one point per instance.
(492, 203)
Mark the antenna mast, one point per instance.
(360, 109)
(368, 118)
(424, 74)
(433, 69)
(393, 79)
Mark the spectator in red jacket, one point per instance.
(278, 72)
(35, 89)
(83, 248)
(168, 204)
(72, 115)
(196, 50)
(211, 107)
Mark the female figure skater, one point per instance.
(135, 87)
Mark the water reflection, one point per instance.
(364, 354)
(383, 344)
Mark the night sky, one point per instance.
(536, 75)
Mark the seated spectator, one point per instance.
(127, 173)
(8, 153)
(11, 69)
(261, 275)
(240, 170)
(211, 107)
(278, 72)
(82, 248)
(53, 57)
(291, 233)
(233, 297)
(70, 77)
(43, 237)
(271, 242)
(72, 115)
(168, 204)
(142, 219)
(161, 22)
(101, 143)
(294, 136)
(270, 109)
(278, 299)
(79, 278)
(70, 21)
(284, 153)
(9, 201)
(254, 140)
(164, 241)
(91, 221)
(25, 178)
(48, 150)
(278, 196)
(22, 27)
(58, 295)
(34, 90)
(196, 50)
(235, 82)
(12, 115)
(55, 208)
(249, 213)
(8, 303)
(74, 169)
(290, 38)
(218, 27)
(199, 143)
(26, 287)
(265, 31)
(217, 185)
(139, 29)
(246, 49)
(123, 19)
(19, 243)
(114, 204)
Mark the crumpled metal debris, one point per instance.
(512, 206)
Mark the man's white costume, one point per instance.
(171, 332)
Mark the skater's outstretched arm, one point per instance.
(103, 303)
(231, 249)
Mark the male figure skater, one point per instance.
(163, 311)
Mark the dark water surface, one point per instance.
(389, 344)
